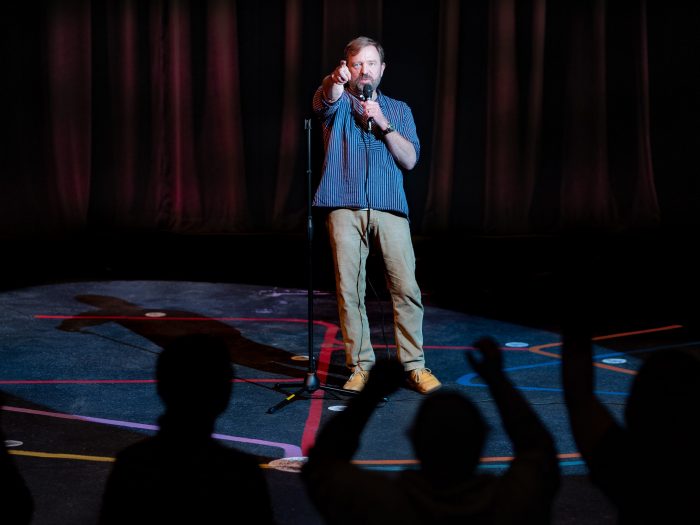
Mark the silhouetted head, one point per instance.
(448, 435)
(664, 401)
(194, 376)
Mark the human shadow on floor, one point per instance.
(161, 326)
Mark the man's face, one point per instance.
(365, 68)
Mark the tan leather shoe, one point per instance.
(357, 380)
(422, 380)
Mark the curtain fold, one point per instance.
(68, 113)
(292, 129)
(124, 70)
(439, 199)
(586, 197)
(532, 141)
(503, 206)
(174, 194)
(629, 143)
(220, 151)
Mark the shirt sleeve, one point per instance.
(407, 127)
(322, 108)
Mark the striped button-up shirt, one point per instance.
(359, 170)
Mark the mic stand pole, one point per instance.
(311, 383)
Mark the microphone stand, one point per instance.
(311, 382)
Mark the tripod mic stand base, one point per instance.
(310, 385)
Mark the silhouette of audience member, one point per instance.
(183, 475)
(648, 468)
(16, 502)
(447, 434)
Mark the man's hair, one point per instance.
(357, 44)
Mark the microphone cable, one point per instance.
(368, 136)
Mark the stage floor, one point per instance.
(82, 325)
(77, 375)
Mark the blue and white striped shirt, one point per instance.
(359, 170)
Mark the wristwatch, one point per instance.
(389, 129)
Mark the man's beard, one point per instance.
(358, 86)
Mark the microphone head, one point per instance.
(367, 91)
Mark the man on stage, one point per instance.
(370, 140)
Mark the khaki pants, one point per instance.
(351, 231)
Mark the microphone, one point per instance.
(367, 94)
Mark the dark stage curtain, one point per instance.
(185, 116)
